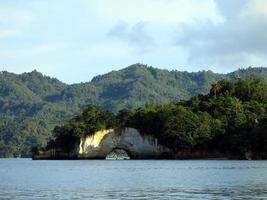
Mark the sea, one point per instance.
(132, 179)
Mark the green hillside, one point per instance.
(31, 104)
(228, 122)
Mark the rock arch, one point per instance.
(137, 145)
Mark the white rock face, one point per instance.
(134, 143)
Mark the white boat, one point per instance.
(118, 154)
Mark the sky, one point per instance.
(77, 40)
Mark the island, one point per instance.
(229, 122)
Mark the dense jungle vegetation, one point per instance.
(231, 119)
(32, 104)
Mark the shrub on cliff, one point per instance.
(92, 119)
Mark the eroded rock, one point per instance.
(137, 145)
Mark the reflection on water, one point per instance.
(143, 179)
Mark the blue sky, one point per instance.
(76, 40)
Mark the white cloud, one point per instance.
(136, 35)
(8, 33)
(239, 41)
(39, 50)
(160, 11)
(14, 16)
(13, 21)
(99, 35)
(257, 7)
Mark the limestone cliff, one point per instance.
(137, 145)
(100, 144)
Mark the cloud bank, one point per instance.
(76, 40)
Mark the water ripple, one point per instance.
(63, 180)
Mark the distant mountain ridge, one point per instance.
(31, 104)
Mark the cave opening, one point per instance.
(118, 154)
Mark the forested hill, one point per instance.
(31, 104)
(139, 84)
(228, 122)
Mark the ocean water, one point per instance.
(132, 179)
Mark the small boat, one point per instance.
(118, 154)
